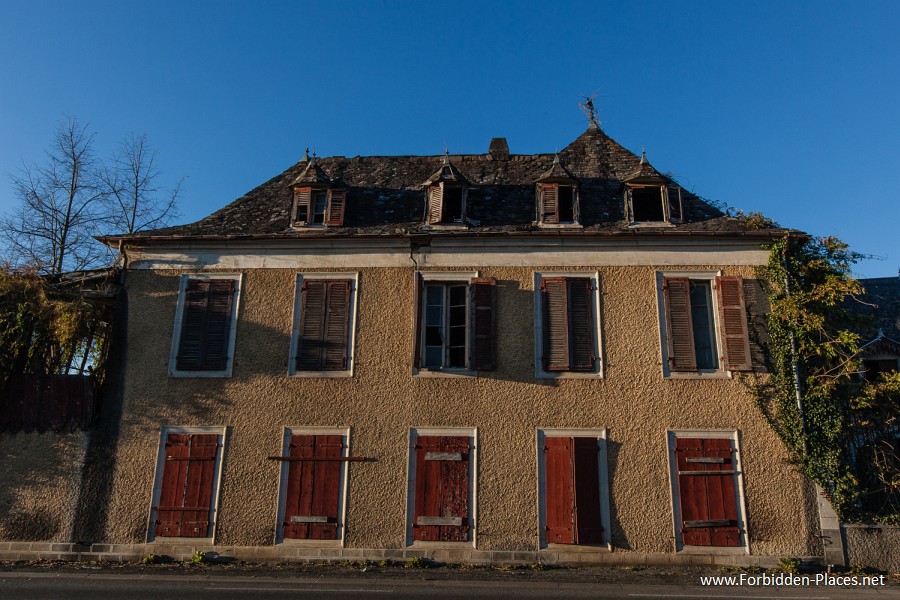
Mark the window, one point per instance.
(205, 325)
(313, 475)
(653, 203)
(316, 207)
(567, 323)
(875, 367)
(708, 493)
(323, 332)
(187, 478)
(455, 322)
(558, 203)
(573, 492)
(446, 204)
(441, 498)
(698, 306)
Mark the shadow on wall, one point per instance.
(617, 534)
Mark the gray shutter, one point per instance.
(679, 325)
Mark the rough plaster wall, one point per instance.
(877, 547)
(382, 401)
(40, 475)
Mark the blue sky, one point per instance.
(788, 108)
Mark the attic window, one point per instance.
(653, 203)
(317, 207)
(446, 204)
(558, 204)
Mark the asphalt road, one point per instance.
(47, 586)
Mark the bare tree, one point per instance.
(60, 204)
(135, 201)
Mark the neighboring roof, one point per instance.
(385, 195)
(880, 304)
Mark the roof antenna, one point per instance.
(588, 107)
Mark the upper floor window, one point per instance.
(324, 314)
(205, 325)
(558, 203)
(567, 323)
(446, 204)
(319, 206)
(653, 203)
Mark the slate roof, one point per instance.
(881, 306)
(385, 195)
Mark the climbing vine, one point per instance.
(812, 345)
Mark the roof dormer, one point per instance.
(445, 196)
(317, 202)
(650, 197)
(557, 197)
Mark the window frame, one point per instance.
(575, 222)
(472, 434)
(446, 277)
(542, 433)
(165, 430)
(442, 224)
(672, 435)
(280, 507)
(665, 199)
(596, 329)
(327, 216)
(353, 278)
(173, 370)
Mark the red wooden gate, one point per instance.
(441, 510)
(185, 499)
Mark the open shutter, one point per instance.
(733, 318)
(560, 493)
(205, 325)
(706, 489)
(629, 207)
(435, 204)
(441, 506)
(186, 492)
(417, 320)
(312, 498)
(484, 340)
(549, 203)
(581, 324)
(337, 322)
(679, 326)
(302, 199)
(555, 323)
(312, 325)
(337, 201)
(673, 192)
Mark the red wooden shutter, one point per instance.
(303, 198)
(312, 498)
(337, 201)
(185, 499)
(733, 317)
(435, 204)
(484, 338)
(549, 203)
(205, 325)
(588, 527)
(581, 324)
(555, 323)
(677, 294)
(441, 506)
(706, 489)
(675, 210)
(560, 493)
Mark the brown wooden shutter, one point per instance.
(581, 324)
(559, 491)
(303, 198)
(186, 491)
(673, 192)
(555, 323)
(417, 320)
(549, 203)
(312, 499)
(435, 204)
(324, 325)
(706, 474)
(733, 318)
(337, 201)
(484, 333)
(205, 325)
(337, 322)
(441, 506)
(588, 524)
(679, 326)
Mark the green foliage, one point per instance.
(416, 563)
(810, 329)
(789, 564)
(150, 559)
(199, 558)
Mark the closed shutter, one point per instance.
(441, 507)
(549, 203)
(337, 201)
(706, 475)
(679, 326)
(484, 340)
(435, 204)
(572, 490)
(324, 325)
(302, 199)
(205, 325)
(673, 192)
(733, 318)
(555, 323)
(312, 498)
(185, 500)
(588, 527)
(581, 324)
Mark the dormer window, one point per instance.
(653, 203)
(558, 204)
(446, 204)
(318, 207)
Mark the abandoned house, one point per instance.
(468, 358)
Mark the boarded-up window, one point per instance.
(568, 324)
(441, 504)
(312, 497)
(706, 492)
(185, 505)
(323, 336)
(572, 490)
(203, 344)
